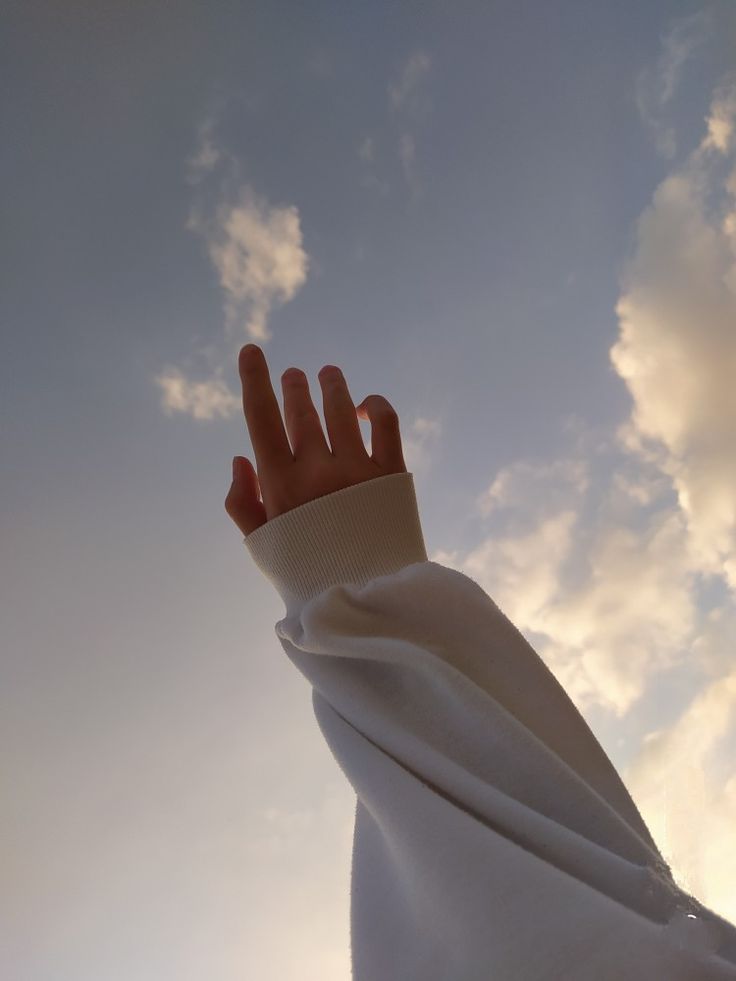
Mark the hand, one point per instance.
(291, 475)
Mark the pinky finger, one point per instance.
(385, 434)
(243, 502)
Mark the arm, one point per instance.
(493, 836)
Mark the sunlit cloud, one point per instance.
(677, 346)
(677, 355)
(684, 783)
(656, 86)
(605, 580)
(260, 260)
(721, 122)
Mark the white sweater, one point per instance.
(494, 839)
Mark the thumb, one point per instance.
(243, 502)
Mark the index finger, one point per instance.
(262, 412)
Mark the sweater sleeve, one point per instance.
(493, 837)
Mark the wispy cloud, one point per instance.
(656, 85)
(367, 149)
(409, 104)
(205, 400)
(367, 154)
(405, 94)
(419, 441)
(207, 155)
(612, 603)
(258, 253)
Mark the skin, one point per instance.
(295, 463)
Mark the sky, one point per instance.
(516, 221)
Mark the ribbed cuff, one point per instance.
(350, 536)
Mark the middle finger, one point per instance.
(302, 421)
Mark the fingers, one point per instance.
(386, 448)
(302, 420)
(340, 419)
(262, 412)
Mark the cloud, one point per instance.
(409, 104)
(207, 155)
(612, 603)
(677, 346)
(684, 785)
(656, 87)
(514, 481)
(205, 400)
(418, 441)
(405, 94)
(720, 124)
(609, 605)
(367, 157)
(258, 253)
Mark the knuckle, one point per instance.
(300, 412)
(381, 406)
(386, 413)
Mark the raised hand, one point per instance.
(302, 467)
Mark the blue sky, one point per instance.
(517, 222)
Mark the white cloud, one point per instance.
(205, 400)
(655, 87)
(258, 253)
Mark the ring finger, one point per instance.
(302, 421)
